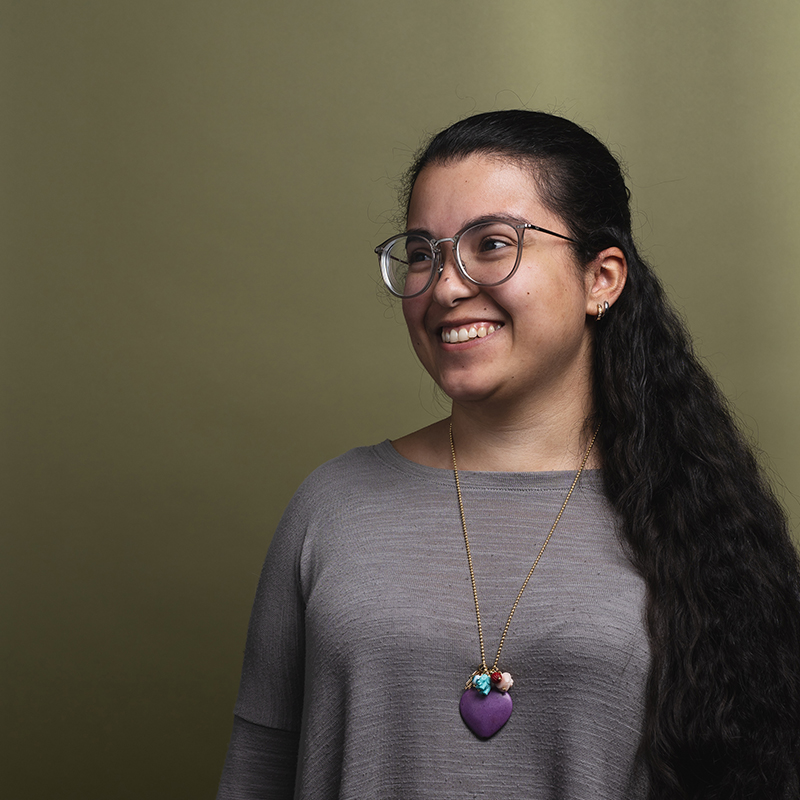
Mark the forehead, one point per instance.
(448, 196)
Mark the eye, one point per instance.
(489, 241)
(494, 242)
(418, 255)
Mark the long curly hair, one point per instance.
(699, 520)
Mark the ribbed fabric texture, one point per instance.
(363, 633)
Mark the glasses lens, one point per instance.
(489, 252)
(407, 264)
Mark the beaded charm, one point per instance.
(505, 682)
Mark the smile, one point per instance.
(463, 333)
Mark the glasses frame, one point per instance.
(437, 264)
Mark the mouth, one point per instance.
(472, 330)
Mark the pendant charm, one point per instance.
(483, 714)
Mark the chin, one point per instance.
(460, 391)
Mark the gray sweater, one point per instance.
(363, 633)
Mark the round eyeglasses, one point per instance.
(487, 254)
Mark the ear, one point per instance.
(605, 279)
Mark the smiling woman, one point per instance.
(578, 585)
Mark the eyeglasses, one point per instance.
(487, 254)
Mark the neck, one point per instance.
(530, 440)
(490, 438)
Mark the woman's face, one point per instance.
(537, 342)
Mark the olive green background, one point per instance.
(192, 321)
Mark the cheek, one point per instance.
(414, 315)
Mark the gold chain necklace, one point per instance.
(486, 705)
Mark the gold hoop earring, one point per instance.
(601, 310)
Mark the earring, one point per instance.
(601, 310)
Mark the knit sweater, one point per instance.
(363, 633)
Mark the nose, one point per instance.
(451, 286)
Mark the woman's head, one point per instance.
(531, 327)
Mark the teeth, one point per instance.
(465, 334)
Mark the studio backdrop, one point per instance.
(192, 317)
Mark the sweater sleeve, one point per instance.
(271, 687)
(262, 753)
(261, 763)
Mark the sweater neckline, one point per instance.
(556, 480)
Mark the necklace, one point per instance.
(485, 705)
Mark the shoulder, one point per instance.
(344, 501)
(358, 467)
(329, 495)
(359, 476)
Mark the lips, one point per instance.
(453, 334)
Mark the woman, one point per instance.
(653, 649)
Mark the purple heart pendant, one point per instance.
(485, 715)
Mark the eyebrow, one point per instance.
(469, 223)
